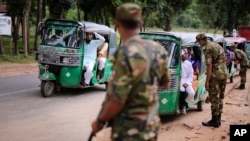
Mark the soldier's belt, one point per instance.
(243, 66)
(126, 122)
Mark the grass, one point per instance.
(9, 55)
(17, 59)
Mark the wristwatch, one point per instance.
(100, 123)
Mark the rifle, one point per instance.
(107, 124)
(91, 136)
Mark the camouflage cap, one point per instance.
(201, 36)
(128, 11)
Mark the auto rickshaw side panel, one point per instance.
(168, 98)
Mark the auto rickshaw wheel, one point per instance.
(200, 106)
(48, 88)
(106, 85)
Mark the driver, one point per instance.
(90, 54)
(57, 39)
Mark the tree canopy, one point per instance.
(217, 14)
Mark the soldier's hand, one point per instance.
(185, 85)
(207, 86)
(95, 127)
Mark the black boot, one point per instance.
(219, 119)
(100, 74)
(231, 79)
(213, 122)
(241, 87)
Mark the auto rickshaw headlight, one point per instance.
(66, 60)
(40, 57)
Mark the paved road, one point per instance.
(19, 83)
(26, 116)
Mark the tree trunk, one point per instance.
(85, 15)
(28, 27)
(1, 45)
(24, 33)
(38, 20)
(167, 25)
(43, 3)
(78, 14)
(215, 30)
(16, 35)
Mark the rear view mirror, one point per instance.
(79, 33)
(40, 28)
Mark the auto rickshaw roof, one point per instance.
(189, 38)
(94, 27)
(161, 33)
(216, 37)
(235, 39)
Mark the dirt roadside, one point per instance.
(188, 127)
(181, 127)
(10, 69)
(236, 110)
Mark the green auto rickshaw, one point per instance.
(61, 61)
(247, 50)
(173, 42)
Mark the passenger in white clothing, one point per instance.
(186, 87)
(90, 55)
(102, 57)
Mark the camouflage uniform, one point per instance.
(215, 55)
(139, 92)
(139, 66)
(242, 58)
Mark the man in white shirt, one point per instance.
(90, 54)
(187, 73)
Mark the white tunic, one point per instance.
(187, 74)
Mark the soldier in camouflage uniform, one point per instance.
(140, 66)
(216, 77)
(241, 58)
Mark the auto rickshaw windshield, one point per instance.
(61, 35)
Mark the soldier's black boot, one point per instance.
(213, 122)
(219, 119)
(241, 87)
(231, 79)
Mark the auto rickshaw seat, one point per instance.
(195, 83)
(102, 50)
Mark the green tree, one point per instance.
(39, 17)
(234, 13)
(17, 10)
(224, 14)
(58, 8)
(189, 18)
(168, 9)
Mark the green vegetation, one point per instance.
(182, 15)
(17, 59)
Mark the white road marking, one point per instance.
(15, 92)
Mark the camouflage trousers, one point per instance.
(243, 74)
(216, 94)
(131, 130)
